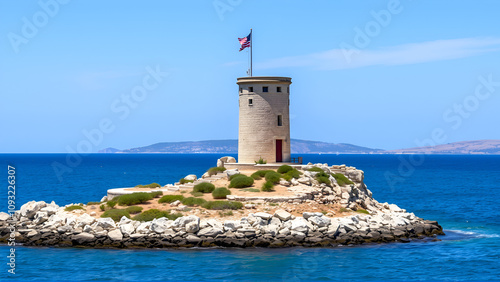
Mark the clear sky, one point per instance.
(86, 75)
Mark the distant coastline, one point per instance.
(476, 147)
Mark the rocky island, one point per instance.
(313, 205)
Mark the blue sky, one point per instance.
(86, 75)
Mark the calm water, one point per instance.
(461, 192)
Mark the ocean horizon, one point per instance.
(459, 191)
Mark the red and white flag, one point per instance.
(245, 41)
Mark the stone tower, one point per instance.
(264, 127)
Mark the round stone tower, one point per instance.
(264, 127)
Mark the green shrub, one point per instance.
(196, 194)
(192, 201)
(111, 204)
(116, 214)
(184, 181)
(362, 211)
(250, 190)
(204, 187)
(228, 213)
(315, 168)
(134, 198)
(170, 198)
(273, 177)
(259, 174)
(214, 170)
(294, 173)
(221, 193)
(342, 179)
(241, 182)
(284, 169)
(267, 186)
(223, 205)
(73, 207)
(322, 174)
(133, 209)
(93, 203)
(324, 179)
(155, 213)
(342, 210)
(157, 194)
(152, 185)
(102, 207)
(261, 161)
(236, 175)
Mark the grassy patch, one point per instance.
(133, 209)
(73, 207)
(102, 207)
(195, 194)
(192, 201)
(284, 169)
(259, 174)
(155, 213)
(363, 211)
(273, 204)
(184, 181)
(157, 194)
(116, 214)
(241, 182)
(294, 173)
(134, 198)
(324, 179)
(342, 179)
(214, 170)
(152, 185)
(204, 187)
(267, 186)
(93, 203)
(315, 168)
(227, 213)
(170, 198)
(223, 205)
(235, 176)
(261, 161)
(342, 210)
(111, 204)
(273, 177)
(250, 190)
(221, 193)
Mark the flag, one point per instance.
(245, 41)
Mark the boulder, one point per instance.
(191, 177)
(83, 238)
(209, 232)
(160, 225)
(40, 217)
(127, 229)
(85, 219)
(115, 235)
(182, 221)
(284, 183)
(106, 223)
(223, 160)
(231, 172)
(104, 199)
(304, 180)
(263, 215)
(231, 225)
(175, 203)
(50, 209)
(193, 239)
(143, 227)
(299, 224)
(294, 182)
(192, 227)
(307, 215)
(283, 215)
(87, 229)
(30, 208)
(4, 216)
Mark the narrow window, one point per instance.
(250, 102)
(278, 89)
(288, 90)
(250, 89)
(280, 120)
(241, 90)
(265, 89)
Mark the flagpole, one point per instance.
(251, 47)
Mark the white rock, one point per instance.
(30, 208)
(160, 225)
(115, 235)
(191, 177)
(104, 199)
(192, 227)
(4, 216)
(299, 224)
(183, 220)
(93, 213)
(83, 238)
(283, 215)
(231, 225)
(87, 228)
(307, 215)
(85, 219)
(50, 209)
(144, 227)
(231, 172)
(249, 206)
(320, 221)
(284, 183)
(209, 232)
(127, 229)
(270, 229)
(40, 217)
(106, 223)
(304, 180)
(175, 203)
(263, 215)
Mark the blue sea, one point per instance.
(460, 192)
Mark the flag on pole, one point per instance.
(245, 41)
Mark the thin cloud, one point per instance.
(406, 54)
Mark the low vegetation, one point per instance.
(228, 213)
(323, 177)
(241, 182)
(261, 161)
(221, 193)
(362, 211)
(133, 209)
(250, 190)
(102, 207)
(134, 198)
(170, 198)
(155, 213)
(214, 170)
(157, 194)
(342, 179)
(284, 169)
(73, 207)
(294, 173)
(315, 168)
(111, 204)
(267, 186)
(184, 181)
(116, 214)
(273, 177)
(259, 174)
(152, 185)
(93, 203)
(204, 187)
(192, 201)
(223, 205)
(195, 194)
(235, 176)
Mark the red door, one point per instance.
(279, 150)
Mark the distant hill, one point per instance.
(464, 147)
(231, 147)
